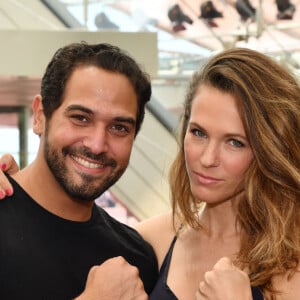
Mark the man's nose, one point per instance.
(97, 140)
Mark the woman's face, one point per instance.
(217, 152)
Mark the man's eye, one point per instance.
(80, 118)
(120, 128)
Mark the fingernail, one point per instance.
(1, 195)
(8, 192)
(3, 166)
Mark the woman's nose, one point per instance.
(210, 155)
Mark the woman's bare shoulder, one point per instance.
(159, 232)
(160, 224)
(289, 287)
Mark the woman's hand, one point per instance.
(224, 282)
(9, 166)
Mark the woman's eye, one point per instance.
(198, 132)
(236, 143)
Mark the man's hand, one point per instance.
(9, 166)
(115, 279)
(224, 282)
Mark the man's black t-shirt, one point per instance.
(43, 256)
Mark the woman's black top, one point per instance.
(161, 290)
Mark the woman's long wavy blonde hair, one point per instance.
(268, 98)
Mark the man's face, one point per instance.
(88, 140)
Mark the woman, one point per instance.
(234, 185)
(235, 182)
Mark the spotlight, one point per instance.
(286, 9)
(177, 17)
(209, 12)
(103, 22)
(245, 10)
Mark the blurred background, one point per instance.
(170, 39)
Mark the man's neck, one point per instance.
(40, 184)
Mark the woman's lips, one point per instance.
(204, 179)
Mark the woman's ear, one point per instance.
(38, 115)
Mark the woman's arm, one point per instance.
(158, 232)
(9, 166)
(224, 282)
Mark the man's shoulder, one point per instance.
(119, 229)
(18, 194)
(131, 245)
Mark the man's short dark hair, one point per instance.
(105, 56)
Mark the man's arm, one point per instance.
(115, 279)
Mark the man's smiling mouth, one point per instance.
(86, 163)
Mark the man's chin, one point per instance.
(81, 191)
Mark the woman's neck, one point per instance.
(220, 220)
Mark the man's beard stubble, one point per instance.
(88, 190)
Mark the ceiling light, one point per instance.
(177, 17)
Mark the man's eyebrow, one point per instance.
(122, 119)
(79, 107)
(128, 120)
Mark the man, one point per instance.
(55, 243)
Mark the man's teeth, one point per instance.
(86, 163)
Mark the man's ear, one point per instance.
(38, 115)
